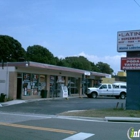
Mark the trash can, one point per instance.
(44, 93)
(2, 97)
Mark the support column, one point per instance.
(66, 80)
(12, 85)
(92, 83)
(83, 83)
(80, 86)
(48, 85)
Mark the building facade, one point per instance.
(26, 80)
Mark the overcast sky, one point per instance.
(71, 27)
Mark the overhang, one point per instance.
(31, 64)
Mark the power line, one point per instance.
(137, 3)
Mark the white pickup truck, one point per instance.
(117, 90)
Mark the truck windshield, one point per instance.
(97, 86)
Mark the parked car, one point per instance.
(117, 90)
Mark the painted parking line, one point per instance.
(38, 128)
(79, 136)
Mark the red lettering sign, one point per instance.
(128, 63)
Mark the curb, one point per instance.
(122, 119)
(13, 102)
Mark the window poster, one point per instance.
(26, 77)
(26, 84)
(34, 84)
(42, 83)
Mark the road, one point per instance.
(19, 126)
(39, 120)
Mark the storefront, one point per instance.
(26, 80)
(29, 84)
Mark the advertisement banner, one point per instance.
(132, 63)
(128, 41)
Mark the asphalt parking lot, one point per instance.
(56, 106)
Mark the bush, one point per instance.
(2, 97)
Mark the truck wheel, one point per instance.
(122, 95)
(94, 95)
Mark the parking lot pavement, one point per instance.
(107, 118)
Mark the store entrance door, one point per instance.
(19, 87)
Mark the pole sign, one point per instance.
(130, 63)
(128, 41)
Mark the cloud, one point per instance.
(113, 61)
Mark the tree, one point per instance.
(62, 62)
(94, 67)
(84, 64)
(40, 54)
(11, 50)
(78, 62)
(104, 68)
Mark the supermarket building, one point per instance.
(26, 80)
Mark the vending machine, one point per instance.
(62, 88)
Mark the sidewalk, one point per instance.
(13, 102)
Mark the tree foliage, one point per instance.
(62, 62)
(40, 54)
(94, 67)
(11, 50)
(84, 64)
(78, 62)
(104, 68)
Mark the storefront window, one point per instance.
(31, 85)
(34, 84)
(26, 84)
(42, 82)
(53, 85)
(72, 85)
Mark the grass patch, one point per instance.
(116, 112)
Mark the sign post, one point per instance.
(129, 42)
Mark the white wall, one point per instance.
(4, 79)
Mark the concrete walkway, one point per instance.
(13, 102)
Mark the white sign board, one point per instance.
(87, 73)
(128, 41)
(65, 91)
